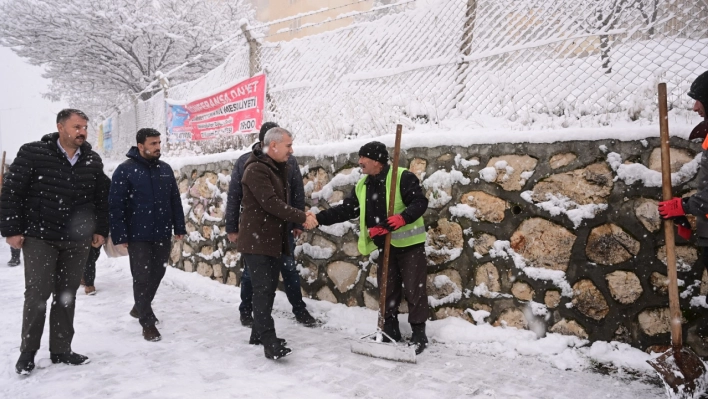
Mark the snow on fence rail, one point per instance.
(433, 61)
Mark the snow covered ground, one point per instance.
(204, 352)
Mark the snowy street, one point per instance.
(204, 352)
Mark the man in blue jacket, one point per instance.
(145, 207)
(291, 276)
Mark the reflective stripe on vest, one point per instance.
(410, 234)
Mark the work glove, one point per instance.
(683, 226)
(377, 231)
(395, 222)
(671, 208)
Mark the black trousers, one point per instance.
(148, 261)
(264, 277)
(90, 266)
(406, 278)
(51, 268)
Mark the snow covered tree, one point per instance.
(97, 52)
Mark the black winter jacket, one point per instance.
(235, 196)
(376, 206)
(44, 197)
(145, 204)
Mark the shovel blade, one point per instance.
(683, 372)
(383, 350)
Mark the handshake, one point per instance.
(311, 221)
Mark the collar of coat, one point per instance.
(51, 140)
(257, 155)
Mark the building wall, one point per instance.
(271, 10)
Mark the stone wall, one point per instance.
(561, 237)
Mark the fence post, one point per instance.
(254, 49)
(465, 48)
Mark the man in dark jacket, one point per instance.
(697, 204)
(407, 264)
(145, 207)
(54, 206)
(288, 269)
(263, 230)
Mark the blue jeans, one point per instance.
(291, 280)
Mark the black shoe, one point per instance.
(419, 339)
(247, 320)
(276, 351)
(392, 329)
(305, 318)
(151, 334)
(256, 341)
(69, 358)
(25, 364)
(13, 261)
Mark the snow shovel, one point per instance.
(682, 371)
(376, 347)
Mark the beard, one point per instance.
(152, 155)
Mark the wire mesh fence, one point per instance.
(430, 61)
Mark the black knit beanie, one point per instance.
(264, 129)
(699, 89)
(374, 150)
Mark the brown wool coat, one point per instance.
(266, 213)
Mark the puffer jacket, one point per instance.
(145, 203)
(266, 213)
(45, 197)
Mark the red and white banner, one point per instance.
(236, 109)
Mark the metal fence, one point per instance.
(430, 61)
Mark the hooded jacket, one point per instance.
(266, 213)
(44, 197)
(145, 203)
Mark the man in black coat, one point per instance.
(145, 207)
(407, 263)
(288, 269)
(54, 206)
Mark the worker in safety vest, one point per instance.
(407, 263)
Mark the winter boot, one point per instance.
(392, 329)
(257, 341)
(276, 350)
(247, 320)
(25, 364)
(305, 318)
(419, 339)
(151, 334)
(14, 258)
(71, 358)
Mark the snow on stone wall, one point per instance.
(590, 264)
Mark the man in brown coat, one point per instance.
(263, 236)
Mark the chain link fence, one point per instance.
(432, 61)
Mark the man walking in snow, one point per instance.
(263, 230)
(407, 263)
(54, 206)
(291, 276)
(145, 208)
(697, 204)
